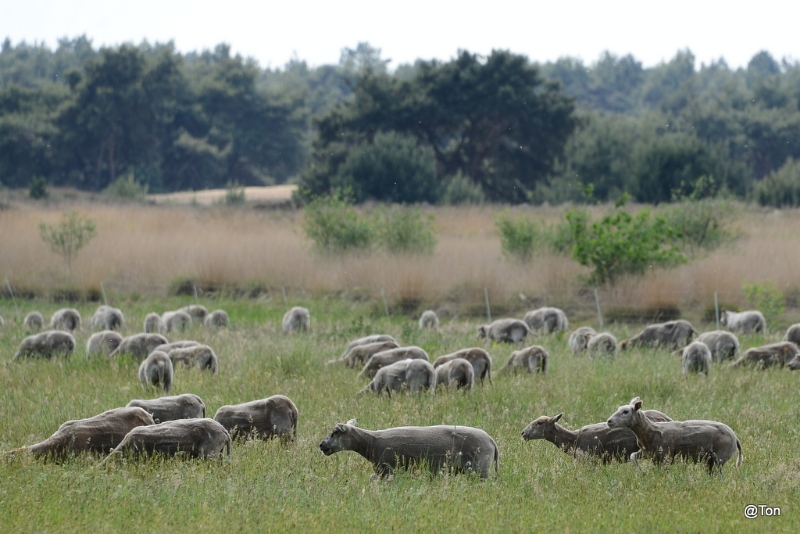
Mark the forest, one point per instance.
(472, 129)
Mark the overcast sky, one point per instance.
(273, 32)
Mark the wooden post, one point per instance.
(486, 298)
(597, 301)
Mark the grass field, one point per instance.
(268, 486)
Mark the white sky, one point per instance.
(273, 32)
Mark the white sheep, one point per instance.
(156, 370)
(296, 319)
(603, 344)
(723, 344)
(416, 374)
(547, 320)
(154, 324)
(505, 331)
(579, 339)
(532, 359)
(746, 322)
(33, 322)
(696, 358)
(216, 319)
(456, 373)
(429, 319)
(107, 318)
(177, 321)
(66, 319)
(104, 342)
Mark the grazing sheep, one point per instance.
(479, 358)
(505, 331)
(201, 356)
(156, 370)
(154, 324)
(671, 335)
(99, 434)
(696, 358)
(33, 322)
(177, 321)
(275, 416)
(197, 312)
(603, 344)
(296, 319)
(374, 338)
(216, 319)
(104, 343)
(186, 406)
(746, 322)
(579, 339)
(360, 354)
(388, 357)
(793, 334)
(590, 440)
(546, 320)
(779, 354)
(455, 449)
(139, 345)
(711, 442)
(194, 438)
(184, 343)
(457, 373)
(794, 365)
(66, 319)
(48, 344)
(722, 344)
(416, 374)
(107, 318)
(533, 358)
(429, 319)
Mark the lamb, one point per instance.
(505, 331)
(388, 357)
(48, 344)
(98, 434)
(154, 324)
(197, 312)
(157, 370)
(591, 440)
(107, 318)
(177, 321)
(455, 449)
(186, 406)
(194, 438)
(671, 335)
(722, 344)
(793, 334)
(479, 358)
(201, 356)
(696, 358)
(603, 344)
(711, 442)
(779, 354)
(360, 354)
(429, 319)
(216, 319)
(139, 345)
(457, 373)
(33, 322)
(546, 320)
(375, 338)
(746, 322)
(533, 358)
(275, 416)
(416, 374)
(579, 339)
(296, 319)
(66, 319)
(104, 342)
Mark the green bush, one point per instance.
(518, 236)
(234, 194)
(38, 188)
(69, 236)
(765, 297)
(460, 190)
(336, 227)
(405, 230)
(781, 188)
(126, 187)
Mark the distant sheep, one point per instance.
(154, 324)
(33, 322)
(296, 319)
(603, 344)
(505, 331)
(388, 357)
(746, 322)
(418, 375)
(696, 358)
(546, 320)
(66, 319)
(107, 318)
(186, 406)
(793, 334)
(479, 358)
(361, 354)
(103, 343)
(139, 346)
(156, 370)
(275, 416)
(670, 335)
(216, 319)
(200, 356)
(197, 312)
(177, 321)
(191, 438)
(579, 339)
(375, 338)
(49, 344)
(794, 364)
(429, 319)
(457, 373)
(532, 359)
(182, 344)
(774, 354)
(722, 344)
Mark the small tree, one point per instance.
(518, 236)
(68, 236)
(405, 231)
(38, 188)
(335, 226)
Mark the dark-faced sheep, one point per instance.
(216, 319)
(388, 357)
(793, 334)
(774, 354)
(197, 312)
(479, 358)
(429, 319)
(457, 373)
(670, 335)
(746, 322)
(156, 370)
(579, 339)
(296, 319)
(103, 343)
(138, 346)
(710, 442)
(722, 344)
(33, 322)
(49, 344)
(186, 406)
(417, 375)
(546, 320)
(275, 416)
(603, 344)
(66, 319)
(200, 356)
(454, 449)
(505, 331)
(696, 358)
(374, 338)
(360, 354)
(107, 318)
(154, 324)
(532, 359)
(191, 438)
(177, 321)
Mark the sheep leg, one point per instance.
(634, 457)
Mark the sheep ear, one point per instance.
(352, 422)
(341, 427)
(557, 418)
(636, 403)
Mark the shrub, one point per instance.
(518, 236)
(460, 190)
(126, 187)
(38, 188)
(69, 236)
(405, 230)
(234, 194)
(766, 298)
(781, 188)
(335, 226)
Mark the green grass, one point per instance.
(268, 486)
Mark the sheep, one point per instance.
(33, 322)
(185, 343)
(104, 342)
(154, 324)
(197, 312)
(139, 345)
(66, 319)
(779, 354)
(590, 440)
(454, 449)
(711, 442)
(457, 373)
(505, 331)
(671, 335)
(722, 344)
(296, 319)
(177, 321)
(157, 370)
(107, 318)
(374, 338)
(533, 358)
(479, 358)
(216, 319)
(360, 354)
(275, 416)
(388, 357)
(546, 320)
(48, 344)
(746, 322)
(194, 438)
(696, 358)
(98, 434)
(416, 374)
(602, 344)
(429, 319)
(201, 356)
(579, 339)
(794, 365)
(186, 406)
(793, 334)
